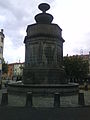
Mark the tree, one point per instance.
(75, 67)
(4, 67)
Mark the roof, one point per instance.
(15, 63)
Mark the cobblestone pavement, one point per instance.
(65, 101)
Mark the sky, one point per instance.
(73, 16)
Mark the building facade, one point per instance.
(18, 71)
(15, 71)
(87, 57)
(2, 36)
(10, 71)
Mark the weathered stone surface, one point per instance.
(57, 100)
(51, 30)
(44, 89)
(43, 53)
(81, 100)
(29, 101)
(44, 76)
(43, 72)
(4, 100)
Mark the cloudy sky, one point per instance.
(73, 16)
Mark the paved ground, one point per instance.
(22, 113)
(43, 108)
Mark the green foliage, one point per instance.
(75, 67)
(4, 67)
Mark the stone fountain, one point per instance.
(43, 72)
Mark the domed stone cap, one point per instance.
(44, 18)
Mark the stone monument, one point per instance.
(43, 72)
(44, 51)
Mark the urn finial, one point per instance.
(44, 18)
(44, 7)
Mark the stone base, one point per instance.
(44, 89)
(42, 75)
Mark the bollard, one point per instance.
(57, 100)
(4, 100)
(86, 87)
(0, 86)
(81, 99)
(29, 99)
